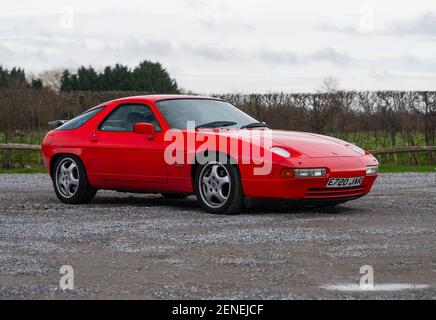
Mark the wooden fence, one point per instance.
(378, 152)
(20, 146)
(402, 150)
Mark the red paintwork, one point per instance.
(128, 161)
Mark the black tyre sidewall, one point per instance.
(85, 193)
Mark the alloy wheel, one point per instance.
(67, 177)
(215, 184)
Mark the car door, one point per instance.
(125, 160)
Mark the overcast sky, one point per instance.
(232, 45)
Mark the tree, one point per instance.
(4, 74)
(36, 84)
(88, 79)
(117, 78)
(147, 76)
(14, 79)
(329, 84)
(68, 81)
(51, 79)
(17, 79)
(152, 77)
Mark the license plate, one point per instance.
(344, 182)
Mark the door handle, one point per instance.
(94, 137)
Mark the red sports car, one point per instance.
(181, 145)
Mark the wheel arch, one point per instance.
(195, 164)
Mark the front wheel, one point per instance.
(218, 188)
(70, 181)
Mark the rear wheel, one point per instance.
(218, 188)
(70, 181)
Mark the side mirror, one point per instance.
(143, 128)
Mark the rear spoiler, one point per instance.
(56, 123)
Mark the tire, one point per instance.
(70, 181)
(174, 196)
(218, 188)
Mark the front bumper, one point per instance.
(313, 188)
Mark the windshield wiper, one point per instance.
(216, 124)
(255, 125)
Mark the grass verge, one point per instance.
(398, 168)
(22, 170)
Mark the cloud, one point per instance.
(225, 44)
(135, 48)
(5, 53)
(327, 27)
(261, 55)
(212, 52)
(424, 25)
(206, 5)
(380, 74)
(330, 55)
(227, 25)
(326, 54)
(279, 57)
(56, 50)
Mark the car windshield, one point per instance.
(205, 113)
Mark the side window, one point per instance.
(79, 120)
(123, 118)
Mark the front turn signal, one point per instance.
(287, 173)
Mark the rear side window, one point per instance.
(124, 117)
(79, 120)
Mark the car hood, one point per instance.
(308, 144)
(313, 145)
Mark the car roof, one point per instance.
(152, 98)
(158, 97)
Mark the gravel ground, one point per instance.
(145, 247)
